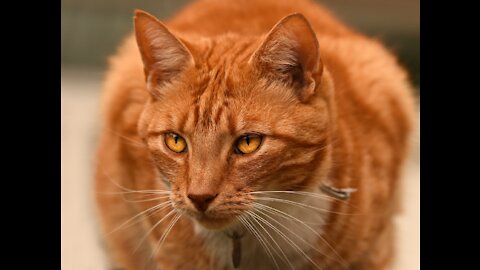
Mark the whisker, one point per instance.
(143, 192)
(264, 238)
(303, 205)
(148, 200)
(304, 224)
(292, 244)
(128, 189)
(153, 227)
(275, 242)
(157, 207)
(260, 240)
(304, 193)
(165, 234)
(290, 231)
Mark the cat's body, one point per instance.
(349, 131)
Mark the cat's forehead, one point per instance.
(215, 101)
(227, 50)
(222, 93)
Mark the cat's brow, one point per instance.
(302, 143)
(151, 134)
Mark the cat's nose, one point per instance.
(201, 201)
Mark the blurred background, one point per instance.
(92, 30)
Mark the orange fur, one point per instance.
(334, 107)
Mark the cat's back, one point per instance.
(251, 17)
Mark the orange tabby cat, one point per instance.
(235, 134)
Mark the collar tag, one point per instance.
(339, 193)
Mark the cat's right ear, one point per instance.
(164, 56)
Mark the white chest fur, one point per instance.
(276, 235)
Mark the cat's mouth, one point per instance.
(212, 221)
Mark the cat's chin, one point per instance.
(214, 223)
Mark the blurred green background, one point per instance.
(92, 29)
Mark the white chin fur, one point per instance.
(254, 255)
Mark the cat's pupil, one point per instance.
(247, 138)
(176, 139)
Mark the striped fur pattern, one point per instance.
(332, 106)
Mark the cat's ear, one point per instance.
(163, 55)
(290, 53)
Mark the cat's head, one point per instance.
(233, 115)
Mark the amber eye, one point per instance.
(248, 143)
(175, 143)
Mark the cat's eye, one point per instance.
(175, 142)
(248, 143)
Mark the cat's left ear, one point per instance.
(290, 53)
(163, 55)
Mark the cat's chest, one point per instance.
(276, 236)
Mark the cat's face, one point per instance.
(223, 122)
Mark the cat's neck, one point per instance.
(286, 236)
